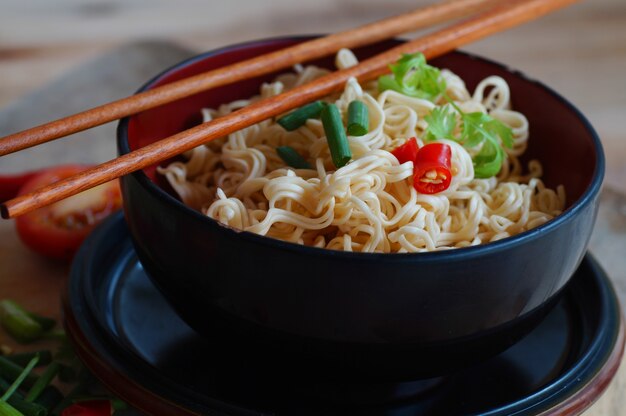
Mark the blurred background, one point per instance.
(579, 51)
(60, 56)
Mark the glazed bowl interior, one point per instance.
(577, 155)
(360, 310)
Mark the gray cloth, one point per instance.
(111, 76)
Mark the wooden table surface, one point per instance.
(580, 52)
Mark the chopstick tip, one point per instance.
(4, 212)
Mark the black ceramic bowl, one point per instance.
(363, 313)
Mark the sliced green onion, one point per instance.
(12, 371)
(20, 379)
(298, 117)
(18, 322)
(17, 401)
(291, 157)
(42, 382)
(358, 119)
(28, 409)
(412, 76)
(387, 82)
(8, 410)
(45, 322)
(23, 358)
(4, 386)
(336, 135)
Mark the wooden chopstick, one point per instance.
(502, 17)
(249, 68)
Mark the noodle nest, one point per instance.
(369, 205)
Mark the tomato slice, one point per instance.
(56, 231)
(10, 185)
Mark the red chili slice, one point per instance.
(432, 168)
(406, 152)
(89, 408)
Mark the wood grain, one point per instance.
(494, 20)
(250, 68)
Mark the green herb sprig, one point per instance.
(412, 76)
(478, 129)
(22, 325)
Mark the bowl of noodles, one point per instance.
(351, 263)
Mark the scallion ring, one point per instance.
(292, 158)
(358, 118)
(336, 136)
(298, 117)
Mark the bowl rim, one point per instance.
(489, 248)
